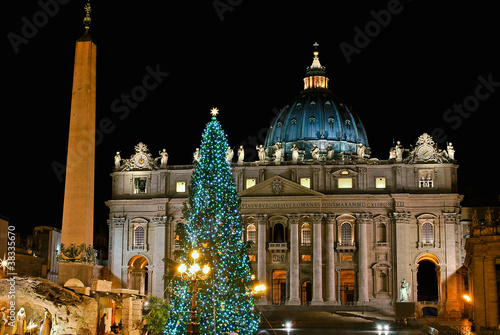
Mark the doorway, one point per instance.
(306, 293)
(279, 287)
(346, 286)
(427, 279)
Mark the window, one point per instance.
(306, 182)
(427, 233)
(380, 182)
(381, 233)
(140, 185)
(346, 233)
(345, 182)
(251, 233)
(180, 186)
(250, 182)
(426, 178)
(346, 258)
(139, 237)
(306, 234)
(306, 258)
(252, 258)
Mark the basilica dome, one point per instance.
(316, 117)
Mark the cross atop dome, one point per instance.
(316, 63)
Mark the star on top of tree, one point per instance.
(214, 111)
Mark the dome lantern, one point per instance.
(316, 74)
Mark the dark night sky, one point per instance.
(427, 57)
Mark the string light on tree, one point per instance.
(213, 226)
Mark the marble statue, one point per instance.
(392, 153)
(329, 152)
(451, 151)
(361, 151)
(164, 157)
(399, 151)
(118, 160)
(278, 153)
(295, 153)
(404, 291)
(229, 154)
(196, 155)
(241, 155)
(261, 152)
(315, 152)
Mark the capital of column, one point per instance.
(364, 217)
(293, 218)
(261, 218)
(317, 218)
(401, 217)
(331, 218)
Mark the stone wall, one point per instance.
(71, 313)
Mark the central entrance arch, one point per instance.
(428, 278)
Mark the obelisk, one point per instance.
(76, 256)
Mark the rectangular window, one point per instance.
(345, 182)
(380, 182)
(306, 258)
(250, 182)
(140, 185)
(426, 178)
(346, 258)
(252, 258)
(306, 182)
(180, 186)
(252, 235)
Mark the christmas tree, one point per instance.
(213, 227)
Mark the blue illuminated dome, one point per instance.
(316, 117)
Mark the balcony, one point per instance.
(346, 246)
(277, 246)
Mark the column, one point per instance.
(330, 260)
(261, 251)
(338, 285)
(294, 260)
(317, 298)
(363, 219)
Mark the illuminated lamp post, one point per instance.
(194, 273)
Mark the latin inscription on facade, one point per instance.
(319, 205)
(360, 204)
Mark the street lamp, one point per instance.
(193, 273)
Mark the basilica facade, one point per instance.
(327, 224)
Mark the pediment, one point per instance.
(278, 186)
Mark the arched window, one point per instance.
(346, 233)
(427, 233)
(278, 233)
(306, 234)
(139, 237)
(251, 233)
